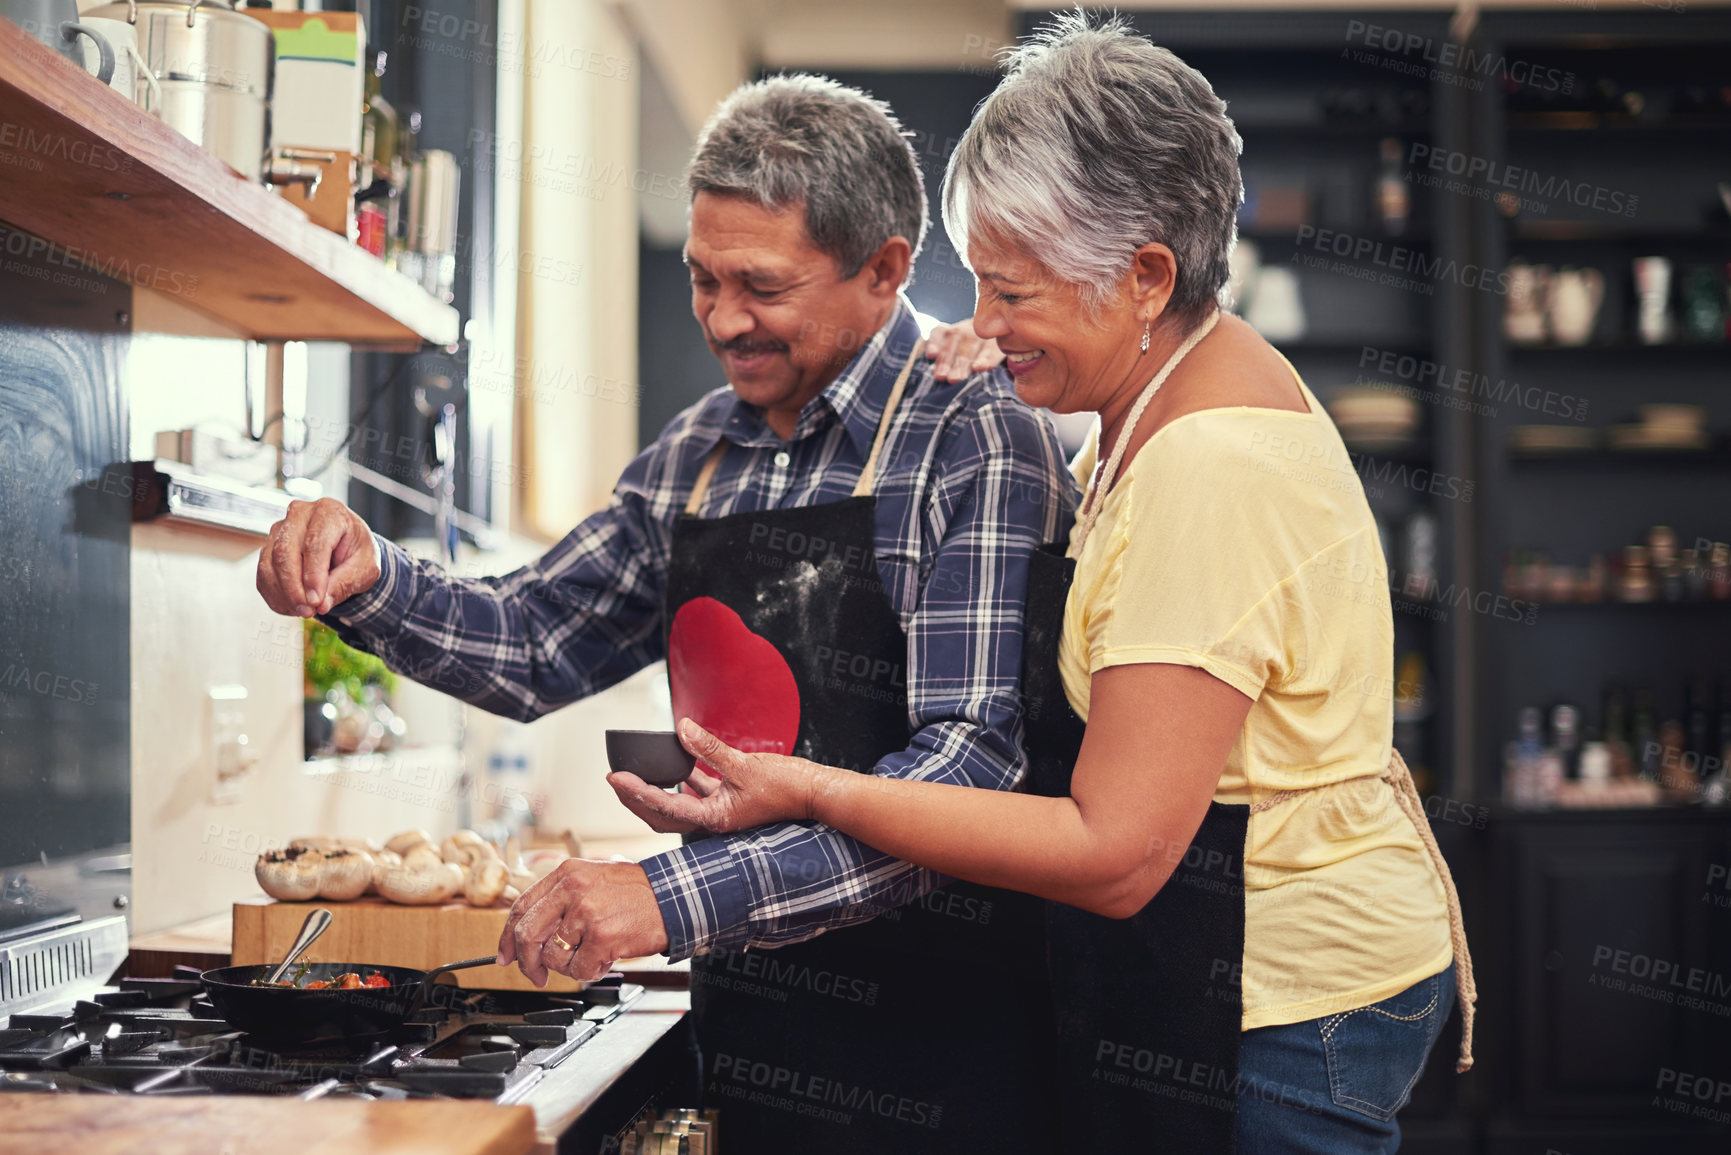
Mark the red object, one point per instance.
(370, 221)
(732, 682)
(376, 980)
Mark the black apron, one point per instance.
(927, 1029)
(1149, 1009)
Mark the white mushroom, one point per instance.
(312, 868)
(381, 858)
(292, 875)
(522, 878)
(346, 874)
(408, 840)
(328, 844)
(484, 874)
(419, 880)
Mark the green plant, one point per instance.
(330, 663)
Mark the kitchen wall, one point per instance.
(197, 621)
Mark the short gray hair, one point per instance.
(1096, 143)
(808, 140)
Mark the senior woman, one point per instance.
(1253, 939)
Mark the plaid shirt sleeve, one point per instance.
(999, 489)
(585, 615)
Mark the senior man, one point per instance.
(831, 555)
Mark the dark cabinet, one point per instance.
(1609, 975)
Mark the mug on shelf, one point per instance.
(1653, 292)
(56, 24)
(1276, 308)
(1576, 295)
(1524, 318)
(132, 77)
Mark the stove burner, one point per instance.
(158, 1037)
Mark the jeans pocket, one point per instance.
(1376, 1053)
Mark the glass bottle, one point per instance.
(1566, 737)
(1644, 736)
(1393, 197)
(1616, 717)
(1637, 584)
(379, 186)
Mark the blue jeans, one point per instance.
(1331, 1086)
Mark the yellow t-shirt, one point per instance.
(1239, 541)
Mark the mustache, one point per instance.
(740, 346)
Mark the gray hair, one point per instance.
(1096, 143)
(808, 140)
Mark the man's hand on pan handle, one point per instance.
(320, 554)
(581, 919)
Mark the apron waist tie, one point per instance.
(1406, 794)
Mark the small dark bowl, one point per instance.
(653, 755)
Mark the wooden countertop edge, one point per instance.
(250, 1125)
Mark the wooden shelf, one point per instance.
(1529, 229)
(131, 198)
(1584, 121)
(1605, 459)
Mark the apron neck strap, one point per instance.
(1097, 496)
(705, 476)
(868, 475)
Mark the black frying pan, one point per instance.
(288, 1015)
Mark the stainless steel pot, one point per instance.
(215, 67)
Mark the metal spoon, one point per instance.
(316, 924)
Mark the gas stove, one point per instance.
(162, 1037)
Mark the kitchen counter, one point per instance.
(612, 1065)
(260, 1125)
(209, 942)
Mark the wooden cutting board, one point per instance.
(371, 930)
(252, 1125)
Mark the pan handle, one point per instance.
(420, 999)
(317, 922)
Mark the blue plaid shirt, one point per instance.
(970, 481)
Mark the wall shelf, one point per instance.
(168, 490)
(130, 197)
(1597, 459)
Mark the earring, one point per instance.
(1146, 325)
